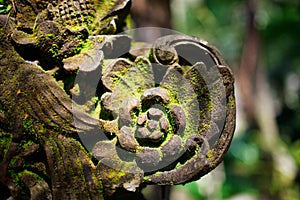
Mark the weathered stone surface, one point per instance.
(126, 111)
(155, 113)
(116, 173)
(179, 119)
(41, 156)
(104, 149)
(164, 124)
(143, 131)
(197, 147)
(155, 95)
(142, 119)
(127, 139)
(148, 157)
(152, 125)
(87, 61)
(173, 148)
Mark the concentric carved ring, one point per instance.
(169, 126)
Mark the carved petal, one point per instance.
(127, 139)
(173, 148)
(87, 60)
(126, 111)
(202, 70)
(126, 79)
(179, 119)
(148, 157)
(185, 96)
(155, 95)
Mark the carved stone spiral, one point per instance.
(170, 121)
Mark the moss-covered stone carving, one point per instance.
(122, 118)
(173, 119)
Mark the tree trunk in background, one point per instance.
(258, 105)
(248, 67)
(151, 13)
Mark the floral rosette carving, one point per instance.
(149, 120)
(168, 117)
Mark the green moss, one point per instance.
(158, 175)
(26, 144)
(35, 127)
(29, 173)
(15, 177)
(42, 130)
(13, 161)
(209, 155)
(1, 54)
(144, 68)
(54, 50)
(204, 128)
(96, 112)
(5, 140)
(50, 35)
(84, 45)
(75, 28)
(117, 176)
(28, 125)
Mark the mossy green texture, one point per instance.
(5, 140)
(39, 111)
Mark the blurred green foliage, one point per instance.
(249, 169)
(4, 7)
